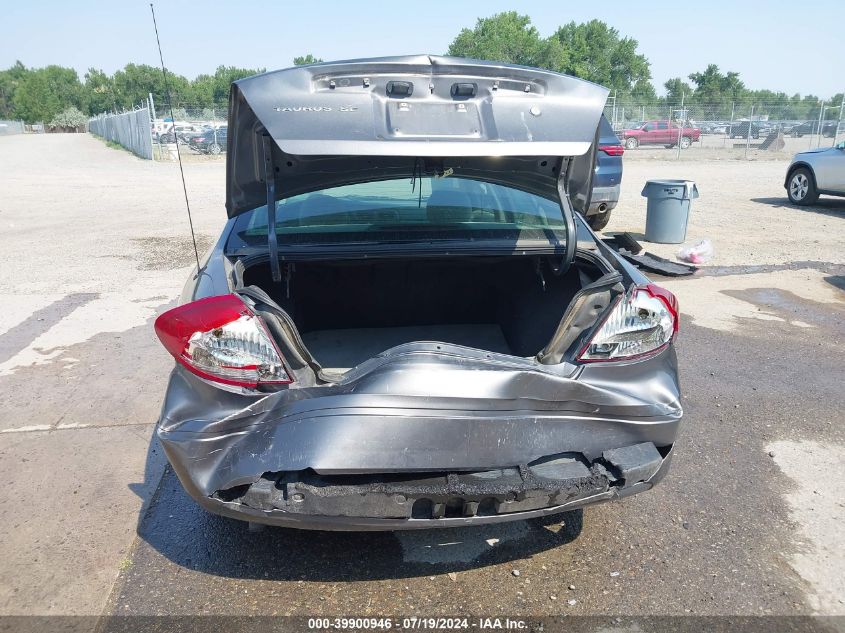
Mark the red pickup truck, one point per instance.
(663, 132)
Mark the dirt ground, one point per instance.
(97, 244)
(743, 210)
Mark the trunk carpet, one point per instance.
(340, 350)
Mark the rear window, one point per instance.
(420, 210)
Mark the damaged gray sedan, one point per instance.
(406, 323)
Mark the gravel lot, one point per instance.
(749, 521)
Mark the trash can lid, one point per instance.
(670, 189)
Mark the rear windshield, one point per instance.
(426, 209)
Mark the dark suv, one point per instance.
(608, 177)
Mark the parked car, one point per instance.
(708, 128)
(787, 126)
(664, 132)
(741, 129)
(765, 127)
(607, 179)
(182, 133)
(211, 141)
(186, 136)
(814, 172)
(828, 128)
(420, 330)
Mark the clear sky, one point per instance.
(779, 45)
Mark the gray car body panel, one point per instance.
(827, 166)
(419, 407)
(423, 407)
(335, 123)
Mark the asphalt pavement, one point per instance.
(714, 538)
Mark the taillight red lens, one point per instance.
(670, 300)
(221, 339)
(612, 150)
(642, 323)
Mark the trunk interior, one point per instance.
(349, 311)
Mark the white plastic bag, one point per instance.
(698, 253)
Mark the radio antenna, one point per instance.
(176, 140)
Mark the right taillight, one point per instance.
(612, 150)
(643, 322)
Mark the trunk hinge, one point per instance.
(270, 183)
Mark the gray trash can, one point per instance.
(668, 210)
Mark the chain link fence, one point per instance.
(759, 130)
(11, 127)
(129, 129)
(199, 131)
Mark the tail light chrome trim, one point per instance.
(642, 323)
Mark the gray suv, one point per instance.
(814, 172)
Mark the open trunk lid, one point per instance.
(340, 123)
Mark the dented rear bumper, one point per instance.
(557, 484)
(485, 440)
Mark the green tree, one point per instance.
(9, 80)
(44, 92)
(134, 83)
(733, 87)
(99, 92)
(212, 91)
(592, 51)
(596, 52)
(719, 94)
(304, 60)
(676, 87)
(511, 38)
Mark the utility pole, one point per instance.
(839, 121)
(728, 131)
(748, 136)
(819, 130)
(152, 107)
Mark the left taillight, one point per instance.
(642, 323)
(223, 340)
(612, 150)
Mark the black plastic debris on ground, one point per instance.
(624, 241)
(630, 249)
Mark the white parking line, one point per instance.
(40, 428)
(28, 429)
(108, 313)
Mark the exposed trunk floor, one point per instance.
(340, 350)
